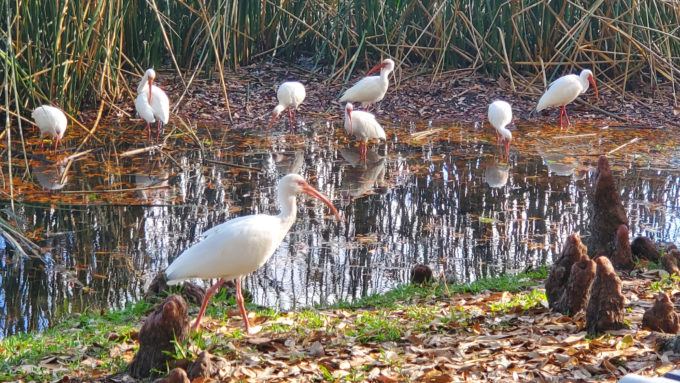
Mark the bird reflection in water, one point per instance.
(563, 165)
(50, 175)
(496, 173)
(362, 177)
(286, 162)
(151, 181)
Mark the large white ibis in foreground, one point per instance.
(565, 90)
(290, 95)
(241, 245)
(152, 103)
(363, 126)
(370, 89)
(500, 115)
(51, 121)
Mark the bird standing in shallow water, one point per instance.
(363, 126)
(241, 245)
(565, 90)
(290, 95)
(370, 89)
(500, 115)
(152, 103)
(51, 121)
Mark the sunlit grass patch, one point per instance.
(376, 327)
(506, 282)
(311, 319)
(667, 284)
(525, 301)
(88, 337)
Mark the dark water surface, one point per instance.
(444, 199)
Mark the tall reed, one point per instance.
(72, 53)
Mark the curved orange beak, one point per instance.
(592, 82)
(375, 68)
(307, 189)
(271, 122)
(150, 84)
(351, 127)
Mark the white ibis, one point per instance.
(500, 115)
(363, 126)
(152, 103)
(51, 121)
(370, 89)
(565, 90)
(240, 246)
(290, 95)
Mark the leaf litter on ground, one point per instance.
(430, 335)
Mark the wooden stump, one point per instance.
(670, 264)
(608, 213)
(168, 322)
(605, 308)
(190, 291)
(177, 375)
(556, 284)
(675, 253)
(201, 367)
(421, 274)
(622, 257)
(575, 297)
(662, 316)
(644, 248)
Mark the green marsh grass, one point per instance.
(72, 54)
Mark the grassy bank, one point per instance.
(102, 343)
(434, 333)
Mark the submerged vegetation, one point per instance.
(71, 53)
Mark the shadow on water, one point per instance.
(443, 199)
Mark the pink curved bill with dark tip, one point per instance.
(271, 122)
(591, 79)
(307, 189)
(375, 68)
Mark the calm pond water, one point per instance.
(444, 199)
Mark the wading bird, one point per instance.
(51, 121)
(565, 90)
(152, 103)
(363, 126)
(241, 245)
(290, 95)
(500, 115)
(370, 89)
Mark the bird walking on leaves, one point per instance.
(565, 90)
(242, 245)
(290, 95)
(51, 121)
(500, 115)
(152, 103)
(370, 89)
(363, 126)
